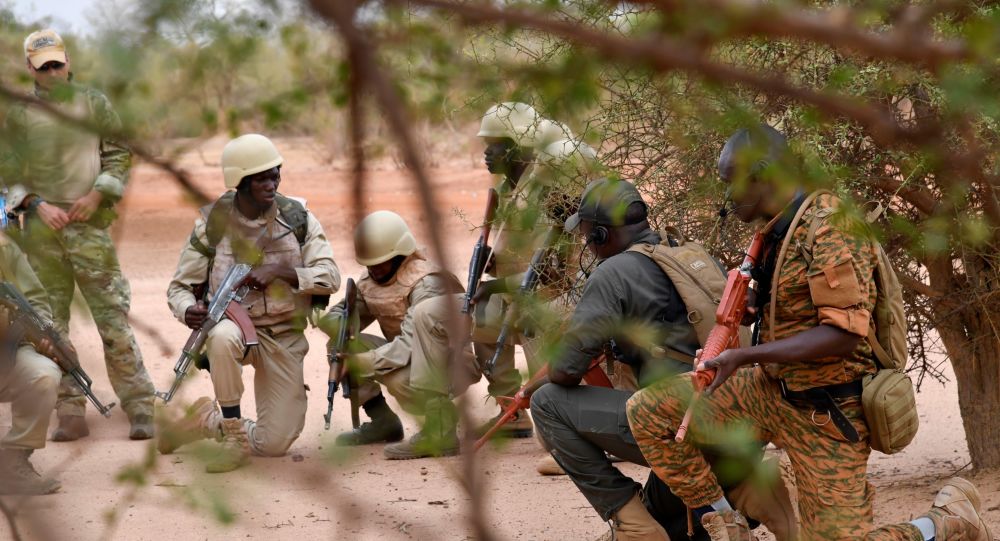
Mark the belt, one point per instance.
(823, 399)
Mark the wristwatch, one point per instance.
(32, 205)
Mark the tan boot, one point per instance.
(548, 466)
(518, 427)
(634, 523)
(18, 476)
(180, 426)
(726, 526)
(235, 450)
(141, 427)
(765, 498)
(437, 438)
(956, 514)
(71, 428)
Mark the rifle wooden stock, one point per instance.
(522, 399)
(481, 252)
(340, 375)
(725, 333)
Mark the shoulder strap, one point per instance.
(295, 215)
(784, 249)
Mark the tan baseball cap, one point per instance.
(44, 46)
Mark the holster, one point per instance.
(824, 400)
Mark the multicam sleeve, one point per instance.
(116, 158)
(840, 275)
(11, 165)
(15, 265)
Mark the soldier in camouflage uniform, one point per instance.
(66, 180)
(815, 341)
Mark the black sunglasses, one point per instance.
(51, 66)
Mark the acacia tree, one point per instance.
(889, 102)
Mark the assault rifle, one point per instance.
(481, 253)
(340, 375)
(225, 303)
(27, 324)
(725, 333)
(528, 284)
(522, 399)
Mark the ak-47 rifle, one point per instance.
(595, 375)
(27, 324)
(725, 333)
(225, 303)
(528, 284)
(340, 375)
(481, 253)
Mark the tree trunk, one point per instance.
(973, 345)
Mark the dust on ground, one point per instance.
(316, 492)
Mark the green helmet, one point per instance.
(381, 236)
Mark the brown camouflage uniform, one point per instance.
(837, 289)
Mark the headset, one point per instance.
(599, 235)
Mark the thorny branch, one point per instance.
(166, 165)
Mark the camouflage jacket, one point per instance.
(836, 288)
(62, 162)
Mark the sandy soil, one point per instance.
(315, 492)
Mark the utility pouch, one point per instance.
(891, 410)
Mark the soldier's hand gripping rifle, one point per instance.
(725, 333)
(225, 303)
(528, 284)
(481, 253)
(27, 324)
(340, 374)
(595, 375)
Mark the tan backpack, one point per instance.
(888, 397)
(697, 277)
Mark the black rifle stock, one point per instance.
(528, 284)
(481, 253)
(340, 374)
(27, 324)
(229, 291)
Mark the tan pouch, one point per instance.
(891, 410)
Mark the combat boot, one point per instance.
(71, 428)
(518, 427)
(438, 437)
(634, 523)
(726, 525)
(140, 427)
(181, 426)
(548, 466)
(956, 513)
(18, 476)
(384, 426)
(235, 451)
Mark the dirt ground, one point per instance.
(315, 492)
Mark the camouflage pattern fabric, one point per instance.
(836, 289)
(83, 255)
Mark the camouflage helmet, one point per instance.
(381, 236)
(511, 120)
(247, 155)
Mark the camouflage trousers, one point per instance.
(84, 256)
(835, 498)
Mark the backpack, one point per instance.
(887, 396)
(292, 212)
(697, 277)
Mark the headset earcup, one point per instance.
(599, 235)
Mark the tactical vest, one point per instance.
(388, 303)
(234, 240)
